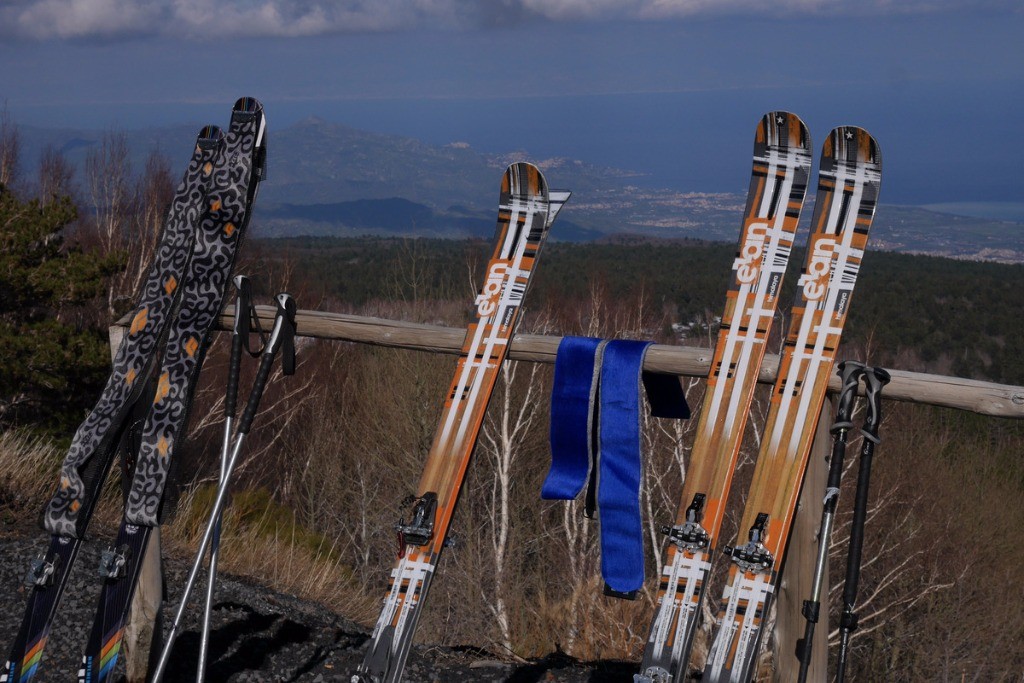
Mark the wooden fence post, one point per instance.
(138, 634)
(798, 572)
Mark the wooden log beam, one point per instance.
(986, 398)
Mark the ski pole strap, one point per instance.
(573, 396)
(281, 337)
(287, 304)
(595, 430)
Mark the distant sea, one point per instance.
(938, 146)
(999, 211)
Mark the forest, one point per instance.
(339, 446)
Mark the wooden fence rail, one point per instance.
(986, 398)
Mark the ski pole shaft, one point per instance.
(282, 335)
(875, 379)
(850, 372)
(239, 339)
(204, 638)
(196, 565)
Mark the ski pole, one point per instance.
(239, 341)
(282, 335)
(850, 372)
(875, 379)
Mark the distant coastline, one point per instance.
(997, 211)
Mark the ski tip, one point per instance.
(248, 110)
(852, 144)
(209, 136)
(523, 178)
(247, 105)
(559, 196)
(783, 129)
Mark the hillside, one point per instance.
(921, 313)
(328, 179)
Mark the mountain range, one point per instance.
(327, 178)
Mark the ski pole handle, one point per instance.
(850, 372)
(875, 379)
(282, 335)
(239, 336)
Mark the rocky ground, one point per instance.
(257, 634)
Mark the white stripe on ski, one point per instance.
(747, 341)
(468, 374)
(511, 297)
(755, 591)
(691, 570)
(842, 258)
(841, 253)
(769, 269)
(416, 571)
(413, 571)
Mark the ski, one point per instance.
(778, 183)
(95, 442)
(236, 176)
(848, 182)
(525, 213)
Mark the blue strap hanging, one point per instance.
(618, 491)
(596, 399)
(573, 395)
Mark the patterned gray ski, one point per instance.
(95, 442)
(236, 177)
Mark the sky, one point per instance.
(670, 88)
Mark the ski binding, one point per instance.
(41, 571)
(421, 529)
(690, 536)
(114, 562)
(654, 674)
(753, 556)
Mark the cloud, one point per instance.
(77, 18)
(204, 19)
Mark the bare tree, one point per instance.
(56, 175)
(510, 418)
(10, 149)
(151, 200)
(108, 172)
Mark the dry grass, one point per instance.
(28, 470)
(258, 542)
(263, 541)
